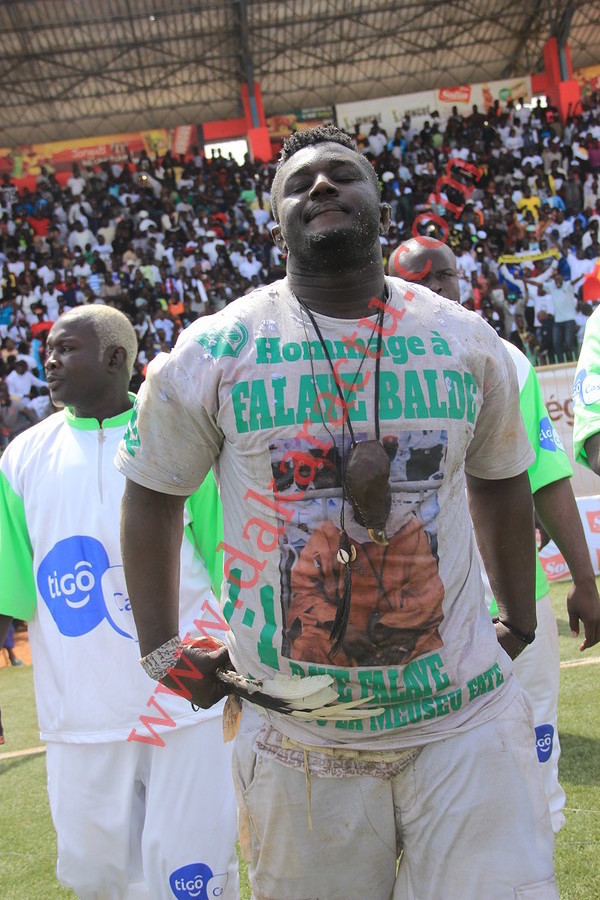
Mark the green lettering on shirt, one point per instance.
(414, 402)
(456, 394)
(266, 651)
(390, 405)
(437, 410)
(471, 393)
(260, 414)
(282, 415)
(267, 350)
(239, 396)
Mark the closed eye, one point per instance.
(297, 187)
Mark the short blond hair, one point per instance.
(111, 326)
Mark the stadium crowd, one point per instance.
(170, 239)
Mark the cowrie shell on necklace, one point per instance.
(344, 557)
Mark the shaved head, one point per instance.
(434, 267)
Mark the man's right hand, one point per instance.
(193, 675)
(507, 640)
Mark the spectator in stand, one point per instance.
(580, 265)
(76, 182)
(250, 266)
(377, 139)
(15, 416)
(510, 305)
(20, 381)
(8, 353)
(490, 315)
(529, 202)
(564, 328)
(80, 237)
(572, 193)
(40, 403)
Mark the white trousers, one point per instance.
(141, 821)
(538, 670)
(468, 814)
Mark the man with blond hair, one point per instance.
(123, 802)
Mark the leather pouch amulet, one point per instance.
(367, 483)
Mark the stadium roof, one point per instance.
(77, 68)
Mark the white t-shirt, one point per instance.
(239, 392)
(76, 185)
(20, 385)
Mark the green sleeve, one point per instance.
(18, 596)
(586, 390)
(205, 529)
(551, 462)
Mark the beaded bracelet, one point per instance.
(525, 638)
(157, 663)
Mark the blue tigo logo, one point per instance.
(544, 737)
(81, 588)
(549, 438)
(586, 388)
(197, 881)
(578, 387)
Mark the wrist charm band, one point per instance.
(528, 638)
(157, 663)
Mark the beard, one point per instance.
(337, 250)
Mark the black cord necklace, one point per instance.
(378, 326)
(366, 469)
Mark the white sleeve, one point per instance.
(500, 447)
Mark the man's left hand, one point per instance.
(583, 605)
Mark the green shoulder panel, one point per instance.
(551, 461)
(586, 390)
(205, 530)
(18, 595)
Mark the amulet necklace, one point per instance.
(365, 471)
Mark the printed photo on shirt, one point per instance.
(396, 591)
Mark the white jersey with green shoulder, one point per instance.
(61, 569)
(586, 389)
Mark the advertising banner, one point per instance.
(299, 120)
(465, 96)
(589, 80)
(26, 162)
(552, 559)
(390, 111)
(387, 111)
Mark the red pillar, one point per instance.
(562, 89)
(259, 142)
